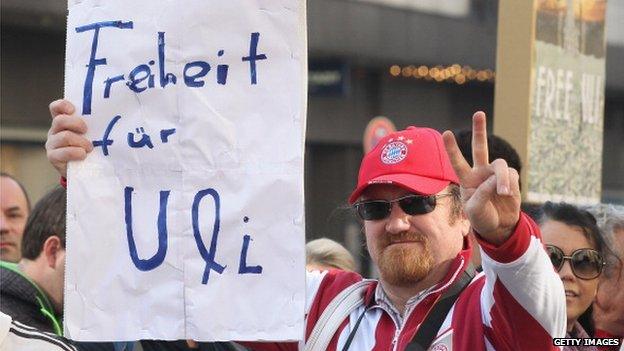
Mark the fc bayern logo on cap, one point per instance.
(394, 152)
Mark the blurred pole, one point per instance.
(512, 112)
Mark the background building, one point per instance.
(353, 46)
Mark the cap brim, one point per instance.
(411, 182)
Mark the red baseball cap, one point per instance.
(414, 159)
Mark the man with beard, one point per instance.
(418, 203)
(418, 206)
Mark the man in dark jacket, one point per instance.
(32, 290)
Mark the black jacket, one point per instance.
(24, 301)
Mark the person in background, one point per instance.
(323, 254)
(608, 308)
(576, 250)
(32, 291)
(497, 148)
(15, 208)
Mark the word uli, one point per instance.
(161, 223)
(141, 77)
(145, 139)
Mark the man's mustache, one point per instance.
(389, 239)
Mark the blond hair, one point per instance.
(327, 254)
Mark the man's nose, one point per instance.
(398, 221)
(4, 225)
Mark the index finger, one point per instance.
(459, 163)
(61, 107)
(480, 155)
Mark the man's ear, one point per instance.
(52, 249)
(465, 223)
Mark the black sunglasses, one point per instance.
(586, 263)
(372, 210)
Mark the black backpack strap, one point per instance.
(432, 322)
(355, 328)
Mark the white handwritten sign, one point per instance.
(186, 220)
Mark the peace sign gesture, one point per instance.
(490, 191)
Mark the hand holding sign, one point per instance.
(490, 191)
(66, 141)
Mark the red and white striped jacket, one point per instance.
(516, 303)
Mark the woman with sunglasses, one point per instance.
(576, 250)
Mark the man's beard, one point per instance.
(404, 264)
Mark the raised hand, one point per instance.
(66, 141)
(490, 191)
